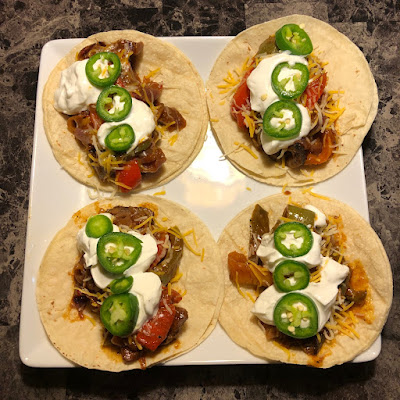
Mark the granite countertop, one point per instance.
(25, 26)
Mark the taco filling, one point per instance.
(114, 114)
(282, 102)
(124, 275)
(306, 291)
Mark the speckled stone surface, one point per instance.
(25, 26)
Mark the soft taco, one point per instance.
(290, 101)
(129, 283)
(125, 110)
(307, 281)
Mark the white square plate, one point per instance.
(211, 188)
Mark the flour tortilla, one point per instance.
(79, 340)
(182, 88)
(347, 69)
(362, 244)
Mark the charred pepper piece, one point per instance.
(268, 46)
(299, 214)
(166, 269)
(259, 225)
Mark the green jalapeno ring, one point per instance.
(290, 275)
(120, 138)
(280, 132)
(114, 70)
(119, 313)
(105, 104)
(296, 315)
(300, 84)
(98, 225)
(291, 37)
(121, 285)
(298, 230)
(112, 251)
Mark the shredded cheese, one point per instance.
(177, 276)
(238, 286)
(247, 148)
(143, 223)
(173, 139)
(90, 319)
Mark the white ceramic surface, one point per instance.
(211, 188)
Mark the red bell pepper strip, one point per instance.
(154, 331)
(314, 90)
(241, 101)
(130, 176)
(327, 148)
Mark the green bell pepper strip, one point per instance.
(117, 251)
(296, 315)
(121, 285)
(105, 106)
(98, 225)
(276, 126)
(298, 231)
(299, 214)
(291, 37)
(291, 275)
(298, 74)
(119, 313)
(120, 138)
(95, 76)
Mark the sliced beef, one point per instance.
(131, 216)
(170, 115)
(151, 159)
(180, 318)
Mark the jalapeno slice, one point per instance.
(282, 120)
(98, 225)
(291, 275)
(289, 81)
(120, 138)
(119, 313)
(117, 251)
(114, 104)
(293, 239)
(296, 315)
(291, 37)
(121, 285)
(103, 69)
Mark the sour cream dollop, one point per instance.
(147, 288)
(320, 218)
(262, 94)
(140, 118)
(103, 278)
(75, 92)
(323, 294)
